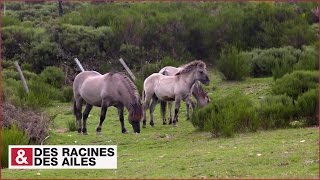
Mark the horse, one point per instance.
(197, 91)
(172, 88)
(111, 89)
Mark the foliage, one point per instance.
(233, 64)
(53, 76)
(30, 45)
(308, 59)
(11, 136)
(148, 32)
(276, 111)
(296, 83)
(71, 125)
(308, 103)
(67, 92)
(226, 116)
(86, 43)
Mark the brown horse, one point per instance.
(197, 91)
(172, 88)
(111, 89)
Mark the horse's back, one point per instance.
(87, 85)
(169, 70)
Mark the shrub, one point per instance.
(149, 69)
(10, 73)
(168, 61)
(273, 61)
(233, 64)
(296, 83)
(67, 92)
(71, 125)
(307, 104)
(32, 45)
(87, 43)
(226, 116)
(53, 76)
(276, 111)
(308, 59)
(11, 136)
(7, 64)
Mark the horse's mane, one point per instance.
(130, 84)
(190, 66)
(135, 113)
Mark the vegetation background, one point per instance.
(263, 63)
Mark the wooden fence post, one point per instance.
(24, 82)
(127, 69)
(79, 64)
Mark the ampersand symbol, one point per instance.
(20, 159)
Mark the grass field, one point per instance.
(183, 152)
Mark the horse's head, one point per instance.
(201, 95)
(201, 73)
(204, 101)
(135, 115)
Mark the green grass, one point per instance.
(183, 152)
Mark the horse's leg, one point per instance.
(146, 105)
(85, 117)
(102, 118)
(163, 111)
(152, 107)
(176, 111)
(77, 108)
(188, 109)
(170, 112)
(120, 113)
(188, 104)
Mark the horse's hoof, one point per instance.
(164, 123)
(144, 126)
(124, 131)
(85, 133)
(98, 133)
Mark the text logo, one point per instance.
(62, 157)
(21, 157)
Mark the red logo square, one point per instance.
(21, 157)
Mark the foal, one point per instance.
(172, 88)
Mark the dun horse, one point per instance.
(172, 88)
(111, 89)
(197, 91)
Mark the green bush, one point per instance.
(71, 125)
(11, 136)
(233, 64)
(273, 61)
(276, 111)
(296, 83)
(31, 45)
(226, 116)
(168, 61)
(7, 64)
(53, 76)
(10, 73)
(307, 104)
(308, 59)
(67, 92)
(149, 69)
(87, 43)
